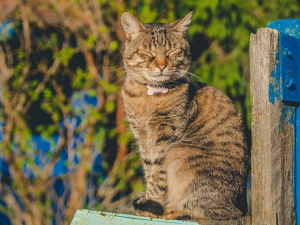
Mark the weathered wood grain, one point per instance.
(272, 135)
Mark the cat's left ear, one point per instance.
(131, 25)
(183, 24)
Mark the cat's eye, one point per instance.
(177, 52)
(143, 53)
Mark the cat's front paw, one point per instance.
(139, 200)
(147, 207)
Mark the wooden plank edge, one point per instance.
(88, 217)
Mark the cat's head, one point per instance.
(156, 53)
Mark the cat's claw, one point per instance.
(146, 214)
(175, 216)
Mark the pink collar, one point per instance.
(156, 89)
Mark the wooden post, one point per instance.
(272, 135)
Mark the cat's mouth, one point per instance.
(158, 79)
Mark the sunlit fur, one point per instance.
(190, 139)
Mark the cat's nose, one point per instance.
(161, 63)
(162, 67)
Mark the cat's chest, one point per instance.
(146, 115)
(144, 109)
(148, 112)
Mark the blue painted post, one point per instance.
(289, 60)
(272, 76)
(297, 185)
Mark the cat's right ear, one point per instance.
(131, 25)
(183, 24)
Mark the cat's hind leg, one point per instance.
(205, 200)
(204, 195)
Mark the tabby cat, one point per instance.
(190, 137)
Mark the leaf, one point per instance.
(90, 41)
(109, 106)
(114, 45)
(103, 29)
(47, 93)
(65, 55)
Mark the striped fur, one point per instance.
(190, 139)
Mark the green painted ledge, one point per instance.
(87, 217)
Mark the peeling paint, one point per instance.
(287, 89)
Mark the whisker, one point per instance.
(195, 84)
(193, 75)
(117, 69)
(118, 79)
(188, 79)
